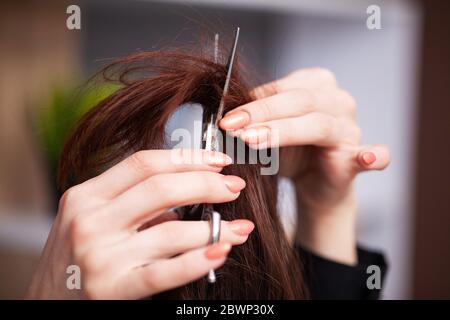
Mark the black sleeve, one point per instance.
(327, 279)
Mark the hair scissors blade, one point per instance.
(226, 86)
(212, 143)
(212, 126)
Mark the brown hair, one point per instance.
(153, 86)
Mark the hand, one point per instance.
(314, 121)
(117, 229)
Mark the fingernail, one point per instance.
(235, 120)
(217, 159)
(218, 250)
(241, 227)
(255, 135)
(235, 184)
(368, 157)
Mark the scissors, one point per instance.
(211, 143)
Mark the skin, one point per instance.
(118, 229)
(99, 227)
(314, 121)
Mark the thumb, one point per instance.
(373, 157)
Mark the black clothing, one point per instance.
(327, 279)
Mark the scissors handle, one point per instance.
(215, 220)
(211, 143)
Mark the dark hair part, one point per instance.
(153, 86)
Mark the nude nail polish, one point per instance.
(218, 159)
(235, 184)
(241, 227)
(218, 250)
(235, 120)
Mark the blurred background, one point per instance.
(399, 75)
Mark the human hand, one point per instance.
(117, 229)
(314, 121)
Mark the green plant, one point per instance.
(58, 116)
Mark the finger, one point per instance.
(171, 273)
(146, 163)
(375, 157)
(159, 193)
(287, 104)
(292, 103)
(165, 217)
(309, 78)
(312, 129)
(174, 237)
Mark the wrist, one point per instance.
(329, 230)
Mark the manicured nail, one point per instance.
(241, 227)
(218, 250)
(235, 120)
(217, 159)
(368, 158)
(255, 135)
(235, 184)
